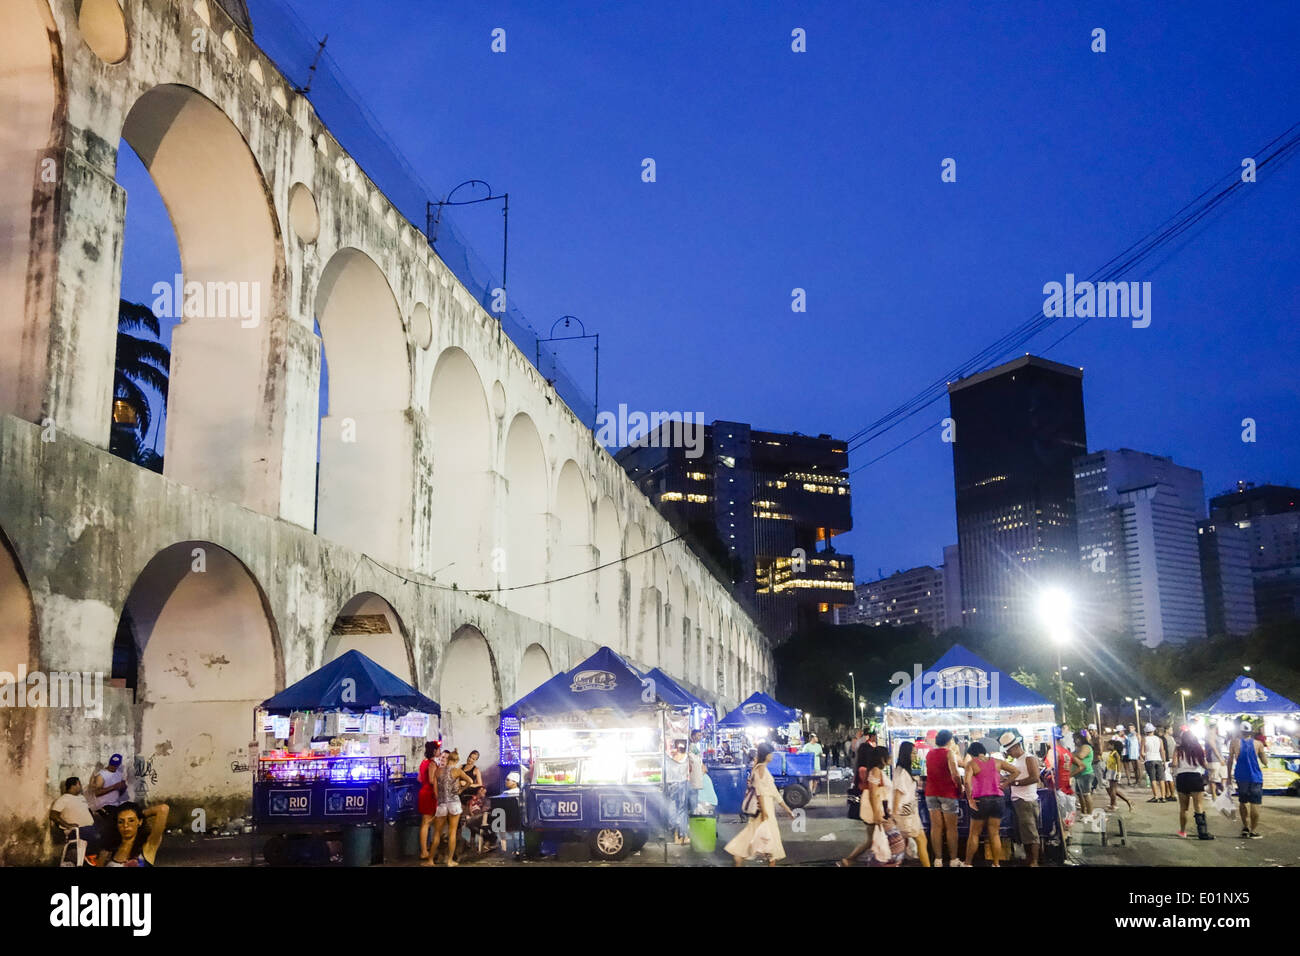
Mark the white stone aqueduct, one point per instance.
(230, 570)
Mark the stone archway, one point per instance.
(526, 525)
(208, 653)
(534, 670)
(461, 435)
(369, 624)
(469, 695)
(24, 799)
(366, 441)
(609, 628)
(571, 599)
(222, 435)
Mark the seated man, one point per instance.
(71, 812)
(476, 818)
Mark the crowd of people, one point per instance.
(115, 830)
(453, 802)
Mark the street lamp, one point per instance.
(1183, 692)
(1054, 611)
(853, 715)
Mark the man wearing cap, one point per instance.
(1132, 751)
(1153, 756)
(107, 792)
(1246, 759)
(1024, 793)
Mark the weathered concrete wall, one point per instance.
(446, 458)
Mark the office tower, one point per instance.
(1270, 517)
(952, 586)
(765, 506)
(1226, 578)
(1121, 568)
(908, 597)
(1018, 428)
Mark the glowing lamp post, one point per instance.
(1054, 611)
(1183, 692)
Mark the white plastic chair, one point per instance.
(74, 848)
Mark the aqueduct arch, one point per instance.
(208, 653)
(609, 579)
(469, 695)
(535, 669)
(369, 624)
(230, 301)
(526, 519)
(573, 552)
(366, 438)
(21, 728)
(461, 435)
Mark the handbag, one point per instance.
(749, 805)
(866, 812)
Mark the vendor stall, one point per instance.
(967, 695)
(1275, 716)
(331, 761)
(760, 718)
(594, 744)
(702, 716)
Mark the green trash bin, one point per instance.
(358, 844)
(704, 834)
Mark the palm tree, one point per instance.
(142, 366)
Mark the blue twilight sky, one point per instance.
(821, 170)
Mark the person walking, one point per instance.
(942, 791)
(1246, 760)
(814, 747)
(1170, 745)
(1213, 760)
(426, 800)
(875, 795)
(1112, 769)
(1153, 749)
(1132, 752)
(1024, 793)
(1188, 770)
(761, 836)
(1081, 771)
(450, 780)
(984, 795)
(905, 811)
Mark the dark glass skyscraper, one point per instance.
(1016, 431)
(760, 507)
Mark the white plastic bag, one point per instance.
(1065, 806)
(1095, 821)
(1225, 805)
(880, 845)
(912, 852)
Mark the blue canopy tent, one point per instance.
(759, 709)
(353, 683)
(595, 736)
(966, 694)
(1245, 696)
(674, 693)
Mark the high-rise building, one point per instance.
(1120, 567)
(764, 505)
(1162, 566)
(952, 616)
(1270, 517)
(1226, 578)
(915, 596)
(1018, 428)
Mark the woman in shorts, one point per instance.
(905, 813)
(1111, 769)
(984, 795)
(1081, 771)
(1189, 769)
(450, 781)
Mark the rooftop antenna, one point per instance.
(311, 73)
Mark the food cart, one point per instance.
(967, 695)
(593, 744)
(330, 761)
(760, 718)
(1277, 718)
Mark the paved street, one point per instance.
(828, 835)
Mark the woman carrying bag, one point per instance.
(761, 836)
(875, 796)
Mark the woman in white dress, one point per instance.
(761, 836)
(905, 812)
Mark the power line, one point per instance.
(518, 587)
(1275, 153)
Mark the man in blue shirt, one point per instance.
(1246, 759)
